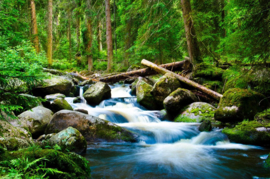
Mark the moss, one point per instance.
(182, 118)
(263, 117)
(72, 164)
(60, 104)
(238, 104)
(208, 70)
(144, 95)
(246, 133)
(113, 133)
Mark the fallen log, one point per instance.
(143, 72)
(159, 69)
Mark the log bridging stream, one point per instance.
(161, 70)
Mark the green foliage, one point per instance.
(20, 70)
(182, 118)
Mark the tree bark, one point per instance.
(78, 32)
(109, 35)
(211, 93)
(50, 28)
(115, 38)
(175, 66)
(99, 34)
(192, 43)
(89, 36)
(69, 35)
(34, 26)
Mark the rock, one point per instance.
(52, 97)
(60, 104)
(205, 126)
(9, 131)
(82, 111)
(129, 80)
(72, 165)
(86, 82)
(133, 87)
(263, 117)
(16, 84)
(14, 143)
(77, 100)
(204, 70)
(97, 92)
(249, 132)
(34, 120)
(177, 100)
(92, 128)
(196, 112)
(55, 84)
(163, 87)
(239, 104)
(75, 81)
(70, 139)
(144, 95)
(29, 102)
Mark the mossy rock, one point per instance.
(35, 120)
(60, 104)
(257, 79)
(133, 87)
(52, 97)
(263, 117)
(70, 139)
(239, 104)
(144, 95)
(87, 82)
(249, 132)
(177, 100)
(92, 128)
(52, 85)
(73, 165)
(16, 84)
(14, 143)
(163, 87)
(97, 92)
(209, 71)
(211, 84)
(197, 112)
(205, 126)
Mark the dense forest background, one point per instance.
(74, 31)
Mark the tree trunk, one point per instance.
(78, 32)
(69, 35)
(109, 35)
(115, 38)
(99, 34)
(34, 26)
(127, 40)
(89, 36)
(175, 66)
(211, 93)
(50, 35)
(192, 43)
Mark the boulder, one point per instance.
(249, 132)
(196, 112)
(177, 100)
(133, 87)
(92, 128)
(60, 104)
(82, 111)
(16, 84)
(239, 104)
(34, 120)
(163, 87)
(205, 70)
(69, 139)
(97, 92)
(205, 126)
(86, 82)
(52, 97)
(144, 95)
(14, 143)
(55, 84)
(77, 100)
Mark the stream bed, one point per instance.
(166, 149)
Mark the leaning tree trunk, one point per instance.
(34, 26)
(109, 35)
(50, 35)
(99, 34)
(192, 43)
(89, 36)
(211, 93)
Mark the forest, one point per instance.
(134, 89)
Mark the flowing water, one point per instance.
(166, 149)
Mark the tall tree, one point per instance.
(50, 31)
(89, 35)
(34, 26)
(192, 42)
(109, 35)
(99, 33)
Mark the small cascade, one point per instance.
(81, 95)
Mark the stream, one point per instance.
(166, 149)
